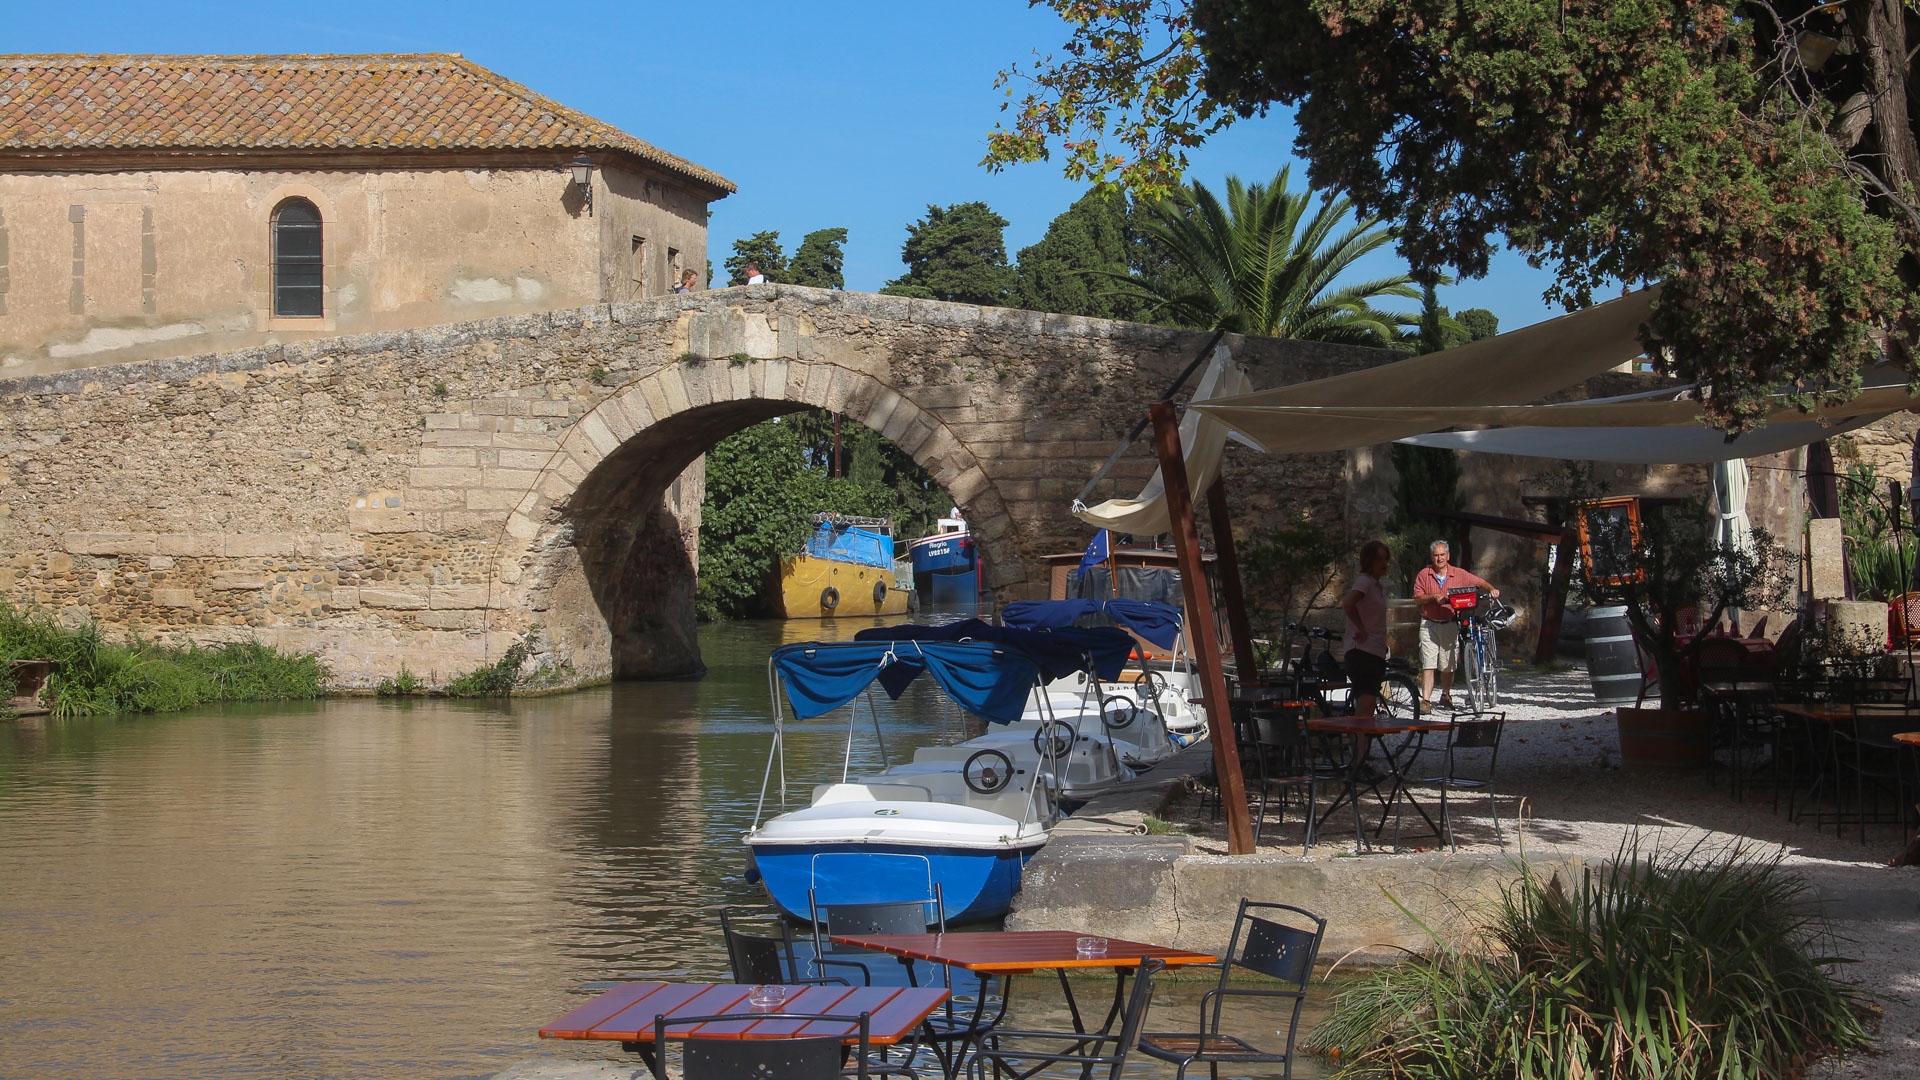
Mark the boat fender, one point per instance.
(879, 592)
(1060, 734)
(829, 598)
(988, 771)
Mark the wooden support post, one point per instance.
(1227, 564)
(1554, 609)
(1202, 634)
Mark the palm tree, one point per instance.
(1260, 265)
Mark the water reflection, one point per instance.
(364, 888)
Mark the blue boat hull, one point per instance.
(973, 884)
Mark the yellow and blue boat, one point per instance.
(846, 569)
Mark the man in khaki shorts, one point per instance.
(1439, 634)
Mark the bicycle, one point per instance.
(1399, 693)
(1478, 665)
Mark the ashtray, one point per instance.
(767, 997)
(1090, 946)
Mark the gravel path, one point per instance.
(1560, 775)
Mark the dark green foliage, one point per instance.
(1681, 965)
(94, 675)
(1265, 262)
(956, 253)
(499, 678)
(1879, 560)
(1637, 140)
(762, 249)
(1479, 323)
(405, 684)
(819, 262)
(1288, 569)
(765, 483)
(1075, 267)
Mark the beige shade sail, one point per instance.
(1202, 441)
(1302, 428)
(1513, 368)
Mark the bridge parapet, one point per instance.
(426, 497)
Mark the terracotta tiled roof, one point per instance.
(412, 102)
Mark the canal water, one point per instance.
(389, 889)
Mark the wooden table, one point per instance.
(1911, 738)
(1828, 712)
(625, 1013)
(1019, 952)
(1364, 730)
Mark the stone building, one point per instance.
(155, 206)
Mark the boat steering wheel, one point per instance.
(1055, 739)
(1151, 685)
(1119, 713)
(988, 771)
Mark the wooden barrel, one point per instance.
(1613, 664)
(1669, 738)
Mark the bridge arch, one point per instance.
(424, 498)
(596, 527)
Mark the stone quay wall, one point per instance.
(424, 498)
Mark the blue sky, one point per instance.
(854, 114)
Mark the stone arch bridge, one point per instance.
(427, 497)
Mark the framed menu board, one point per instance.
(1609, 535)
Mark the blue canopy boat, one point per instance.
(968, 830)
(1164, 688)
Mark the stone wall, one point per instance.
(426, 497)
(107, 267)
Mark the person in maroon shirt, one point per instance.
(1439, 634)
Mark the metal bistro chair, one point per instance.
(758, 958)
(1479, 734)
(1877, 764)
(801, 1058)
(945, 1029)
(1266, 947)
(1282, 748)
(1021, 1054)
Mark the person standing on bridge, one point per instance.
(755, 276)
(687, 278)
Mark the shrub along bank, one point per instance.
(92, 674)
(1677, 965)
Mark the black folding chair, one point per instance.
(1867, 753)
(946, 1032)
(1264, 946)
(761, 958)
(811, 1057)
(1020, 1054)
(1283, 753)
(1470, 771)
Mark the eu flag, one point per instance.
(1096, 551)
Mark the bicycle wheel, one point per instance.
(1473, 670)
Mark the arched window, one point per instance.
(299, 288)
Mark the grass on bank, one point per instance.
(1678, 965)
(92, 674)
(498, 679)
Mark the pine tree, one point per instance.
(1072, 270)
(762, 249)
(819, 261)
(957, 253)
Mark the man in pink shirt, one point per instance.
(1439, 633)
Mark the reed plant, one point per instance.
(1674, 964)
(93, 674)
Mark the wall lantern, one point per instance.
(582, 168)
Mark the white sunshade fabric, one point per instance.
(1202, 441)
(1485, 385)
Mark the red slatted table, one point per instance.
(1020, 952)
(625, 1013)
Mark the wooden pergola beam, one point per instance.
(1202, 631)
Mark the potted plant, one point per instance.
(1657, 561)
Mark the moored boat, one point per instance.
(946, 565)
(969, 828)
(846, 569)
